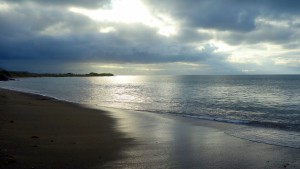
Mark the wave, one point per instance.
(282, 126)
(274, 125)
(254, 123)
(219, 119)
(267, 135)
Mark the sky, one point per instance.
(150, 37)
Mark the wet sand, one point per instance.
(45, 133)
(165, 141)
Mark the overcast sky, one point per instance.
(151, 36)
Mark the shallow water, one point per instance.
(262, 101)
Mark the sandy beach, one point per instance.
(39, 132)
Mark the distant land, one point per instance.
(6, 75)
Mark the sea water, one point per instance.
(269, 105)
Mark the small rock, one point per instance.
(51, 141)
(286, 165)
(35, 137)
(35, 146)
(12, 121)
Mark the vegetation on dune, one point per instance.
(5, 75)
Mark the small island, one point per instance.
(6, 75)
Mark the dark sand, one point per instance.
(39, 132)
(70, 136)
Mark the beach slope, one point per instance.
(40, 132)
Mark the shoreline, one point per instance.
(145, 140)
(217, 120)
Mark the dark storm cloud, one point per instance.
(280, 6)
(95, 47)
(233, 15)
(275, 35)
(223, 15)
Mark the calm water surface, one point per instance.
(266, 101)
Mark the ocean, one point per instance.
(267, 107)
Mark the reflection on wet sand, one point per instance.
(175, 142)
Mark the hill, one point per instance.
(9, 75)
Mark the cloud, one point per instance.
(267, 30)
(85, 3)
(33, 33)
(222, 36)
(221, 15)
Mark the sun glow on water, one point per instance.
(129, 12)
